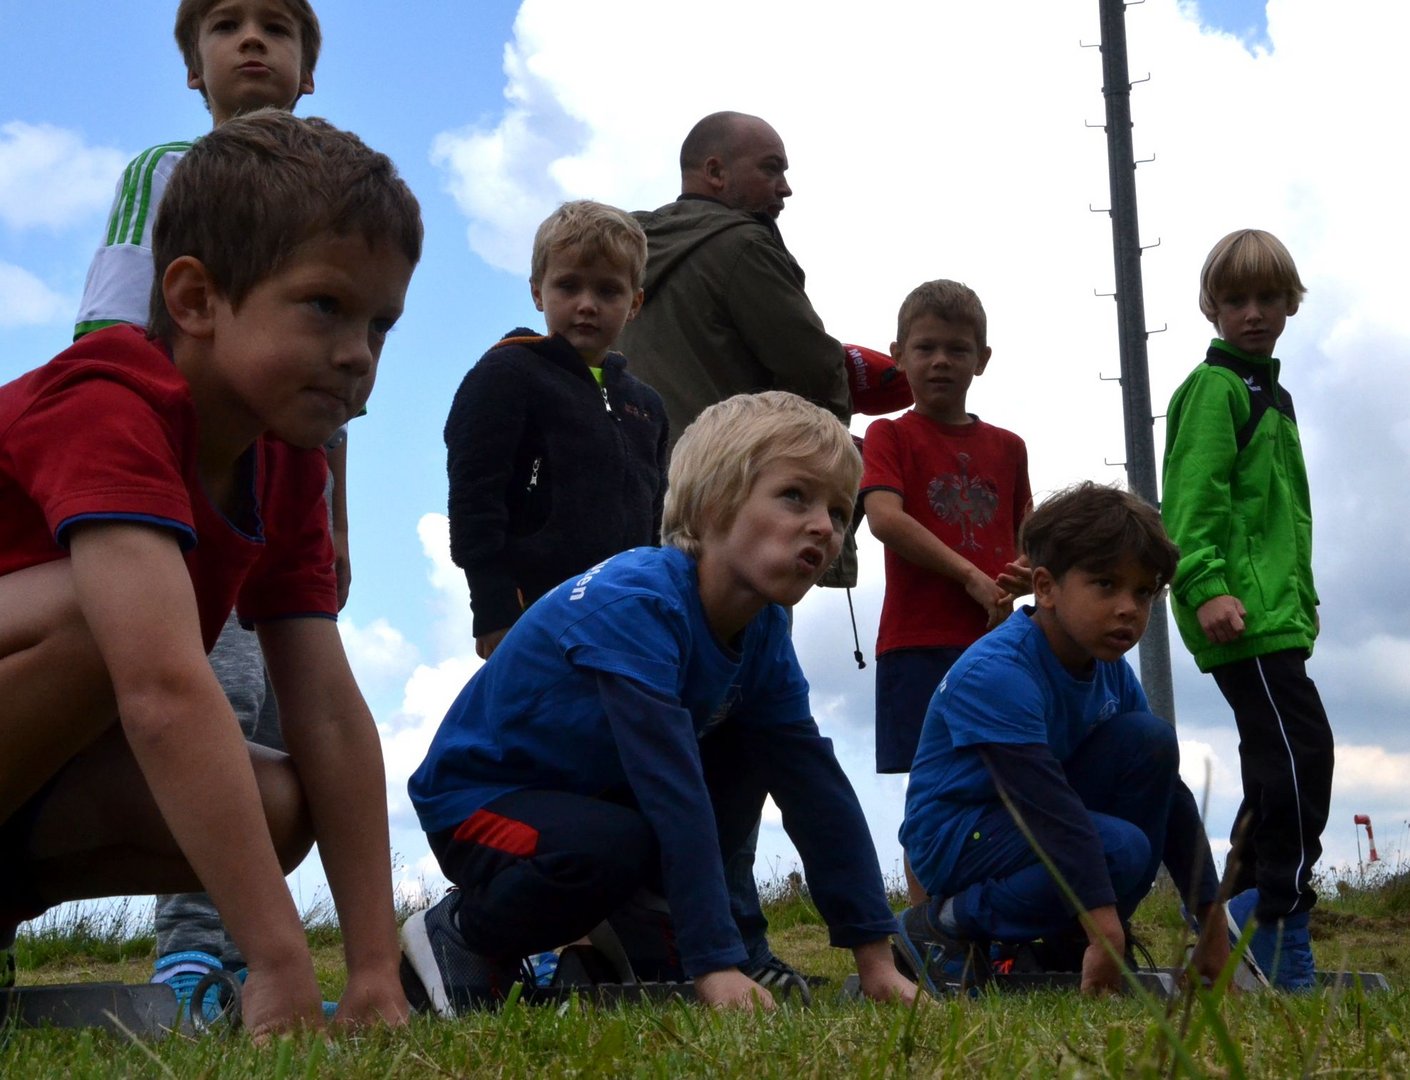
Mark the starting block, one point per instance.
(144, 1010)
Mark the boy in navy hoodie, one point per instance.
(556, 453)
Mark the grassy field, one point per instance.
(1046, 1034)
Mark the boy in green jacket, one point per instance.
(1236, 502)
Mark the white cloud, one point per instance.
(379, 653)
(27, 301)
(50, 178)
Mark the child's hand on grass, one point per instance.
(1106, 943)
(368, 1001)
(876, 970)
(732, 989)
(1212, 949)
(283, 999)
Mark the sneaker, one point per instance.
(775, 974)
(934, 959)
(439, 971)
(1282, 952)
(183, 971)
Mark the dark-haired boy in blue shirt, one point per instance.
(1040, 740)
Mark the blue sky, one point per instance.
(927, 140)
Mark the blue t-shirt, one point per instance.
(1008, 687)
(534, 717)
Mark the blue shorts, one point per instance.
(905, 682)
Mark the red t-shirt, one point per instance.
(107, 431)
(967, 484)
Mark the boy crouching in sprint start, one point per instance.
(1044, 712)
(623, 734)
(150, 483)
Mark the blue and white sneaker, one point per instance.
(1282, 951)
(438, 969)
(182, 971)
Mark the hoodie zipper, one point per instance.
(534, 474)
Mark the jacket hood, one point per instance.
(675, 230)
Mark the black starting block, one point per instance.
(143, 1010)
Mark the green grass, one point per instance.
(1045, 1034)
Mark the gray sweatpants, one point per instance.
(188, 921)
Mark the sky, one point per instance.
(927, 139)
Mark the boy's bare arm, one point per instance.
(333, 741)
(135, 595)
(903, 534)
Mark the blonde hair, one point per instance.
(1248, 258)
(952, 301)
(720, 456)
(598, 232)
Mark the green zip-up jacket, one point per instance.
(1236, 501)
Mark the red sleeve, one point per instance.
(881, 458)
(294, 575)
(96, 447)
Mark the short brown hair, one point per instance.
(1248, 259)
(1092, 527)
(187, 31)
(949, 300)
(244, 197)
(598, 232)
(720, 456)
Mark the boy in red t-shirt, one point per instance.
(150, 481)
(945, 493)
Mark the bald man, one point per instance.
(725, 311)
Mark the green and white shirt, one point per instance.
(119, 285)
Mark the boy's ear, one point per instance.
(1044, 588)
(982, 361)
(636, 304)
(306, 84)
(190, 296)
(897, 351)
(196, 81)
(536, 291)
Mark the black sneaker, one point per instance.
(439, 972)
(936, 960)
(775, 974)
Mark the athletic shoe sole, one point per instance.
(426, 989)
